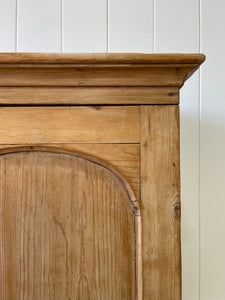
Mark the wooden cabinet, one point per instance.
(89, 169)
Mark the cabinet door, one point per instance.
(67, 227)
(71, 180)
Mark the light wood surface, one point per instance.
(95, 75)
(101, 124)
(125, 158)
(112, 153)
(169, 37)
(100, 58)
(87, 95)
(67, 230)
(160, 198)
(142, 73)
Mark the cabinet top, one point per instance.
(94, 78)
(100, 58)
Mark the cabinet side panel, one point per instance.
(160, 195)
(169, 37)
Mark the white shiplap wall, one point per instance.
(154, 26)
(8, 22)
(212, 153)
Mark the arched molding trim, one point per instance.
(134, 202)
(126, 186)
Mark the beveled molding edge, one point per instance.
(94, 79)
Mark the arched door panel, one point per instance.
(67, 229)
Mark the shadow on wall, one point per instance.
(203, 188)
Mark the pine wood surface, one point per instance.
(87, 95)
(125, 158)
(67, 229)
(160, 199)
(125, 78)
(99, 58)
(95, 75)
(26, 125)
(90, 196)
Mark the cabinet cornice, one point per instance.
(113, 78)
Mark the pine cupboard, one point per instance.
(89, 175)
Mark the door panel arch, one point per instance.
(68, 227)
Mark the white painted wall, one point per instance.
(154, 26)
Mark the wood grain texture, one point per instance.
(96, 75)
(160, 196)
(154, 128)
(67, 228)
(100, 58)
(169, 37)
(94, 78)
(125, 158)
(26, 125)
(87, 95)
(118, 72)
